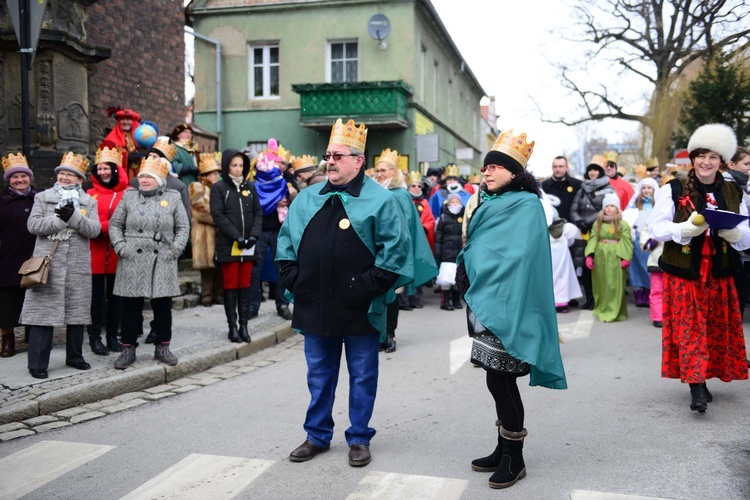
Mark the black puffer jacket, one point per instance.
(236, 210)
(448, 238)
(588, 202)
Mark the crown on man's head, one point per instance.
(414, 177)
(207, 164)
(349, 134)
(514, 146)
(612, 156)
(108, 155)
(452, 171)
(168, 149)
(299, 162)
(76, 162)
(17, 160)
(389, 157)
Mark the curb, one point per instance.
(131, 380)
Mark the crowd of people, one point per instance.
(351, 248)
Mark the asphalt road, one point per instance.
(618, 430)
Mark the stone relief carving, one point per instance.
(73, 123)
(46, 129)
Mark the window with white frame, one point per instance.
(264, 71)
(344, 61)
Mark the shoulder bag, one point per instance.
(35, 271)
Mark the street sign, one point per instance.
(681, 157)
(428, 148)
(35, 16)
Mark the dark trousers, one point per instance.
(40, 345)
(108, 307)
(267, 239)
(132, 319)
(391, 321)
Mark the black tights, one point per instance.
(507, 400)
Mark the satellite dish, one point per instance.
(379, 27)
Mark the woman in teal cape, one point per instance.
(505, 272)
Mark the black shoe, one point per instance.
(78, 365)
(382, 346)
(405, 308)
(456, 299)
(588, 305)
(698, 395)
(390, 343)
(97, 347)
(658, 324)
(113, 344)
(38, 373)
(284, 312)
(573, 303)
(151, 338)
(416, 306)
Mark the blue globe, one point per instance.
(145, 135)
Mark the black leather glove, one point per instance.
(241, 242)
(65, 212)
(252, 240)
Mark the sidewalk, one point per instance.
(199, 340)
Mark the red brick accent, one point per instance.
(146, 71)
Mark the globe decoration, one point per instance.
(145, 135)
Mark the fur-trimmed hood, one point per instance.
(525, 181)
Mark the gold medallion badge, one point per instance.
(420, 208)
(344, 223)
(245, 192)
(570, 189)
(83, 212)
(95, 196)
(460, 220)
(164, 203)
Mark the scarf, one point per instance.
(21, 193)
(236, 180)
(68, 194)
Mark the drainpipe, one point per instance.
(218, 78)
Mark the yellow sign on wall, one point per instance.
(403, 162)
(422, 124)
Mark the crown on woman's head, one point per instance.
(303, 161)
(108, 155)
(514, 146)
(168, 149)
(389, 157)
(349, 134)
(414, 177)
(76, 162)
(207, 164)
(17, 160)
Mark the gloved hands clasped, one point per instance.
(65, 212)
(245, 243)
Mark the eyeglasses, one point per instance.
(67, 174)
(491, 168)
(336, 156)
(416, 186)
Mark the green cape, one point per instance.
(375, 216)
(509, 265)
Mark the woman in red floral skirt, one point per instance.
(702, 336)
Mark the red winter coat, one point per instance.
(427, 219)
(103, 256)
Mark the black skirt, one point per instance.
(11, 303)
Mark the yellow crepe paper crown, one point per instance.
(155, 166)
(304, 161)
(612, 156)
(414, 177)
(389, 157)
(452, 171)
(514, 146)
(653, 162)
(77, 162)
(285, 154)
(640, 171)
(207, 164)
(349, 135)
(598, 160)
(167, 148)
(17, 160)
(108, 155)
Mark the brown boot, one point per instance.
(9, 344)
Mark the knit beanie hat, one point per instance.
(453, 197)
(611, 199)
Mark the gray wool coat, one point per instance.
(148, 233)
(66, 298)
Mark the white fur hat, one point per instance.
(715, 137)
(611, 199)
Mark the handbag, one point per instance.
(35, 271)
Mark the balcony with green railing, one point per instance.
(372, 103)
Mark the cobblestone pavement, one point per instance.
(83, 413)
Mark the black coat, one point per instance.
(565, 190)
(236, 211)
(16, 243)
(448, 237)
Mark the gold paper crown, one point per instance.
(303, 161)
(653, 162)
(167, 148)
(640, 171)
(207, 164)
(598, 160)
(349, 135)
(18, 160)
(414, 177)
(389, 157)
(108, 155)
(475, 179)
(452, 171)
(514, 146)
(155, 166)
(76, 162)
(612, 156)
(285, 154)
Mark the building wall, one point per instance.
(146, 71)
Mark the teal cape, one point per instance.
(424, 262)
(509, 266)
(376, 217)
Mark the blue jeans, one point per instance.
(323, 355)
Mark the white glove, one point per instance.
(690, 230)
(731, 235)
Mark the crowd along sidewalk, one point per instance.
(199, 340)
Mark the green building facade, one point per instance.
(289, 68)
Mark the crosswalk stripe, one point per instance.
(580, 329)
(600, 495)
(37, 465)
(460, 352)
(389, 485)
(202, 476)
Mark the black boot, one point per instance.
(511, 467)
(243, 306)
(698, 395)
(445, 300)
(113, 344)
(390, 342)
(456, 296)
(491, 462)
(230, 309)
(709, 396)
(97, 347)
